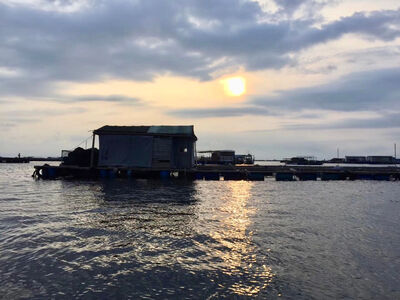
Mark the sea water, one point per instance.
(131, 239)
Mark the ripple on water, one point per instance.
(139, 238)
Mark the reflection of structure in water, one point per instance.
(149, 205)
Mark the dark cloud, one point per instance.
(139, 40)
(96, 98)
(309, 7)
(220, 112)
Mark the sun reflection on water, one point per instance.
(236, 236)
(198, 230)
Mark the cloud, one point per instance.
(384, 121)
(220, 112)
(375, 91)
(118, 99)
(13, 118)
(98, 98)
(309, 7)
(139, 40)
(370, 90)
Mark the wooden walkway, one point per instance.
(217, 172)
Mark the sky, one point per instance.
(313, 76)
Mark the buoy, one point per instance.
(165, 174)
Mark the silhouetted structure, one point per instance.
(220, 157)
(80, 157)
(168, 147)
(302, 160)
(14, 160)
(355, 159)
(381, 159)
(247, 159)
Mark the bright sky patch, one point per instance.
(235, 86)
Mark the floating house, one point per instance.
(247, 159)
(14, 160)
(302, 160)
(164, 147)
(220, 157)
(356, 159)
(381, 159)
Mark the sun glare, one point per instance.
(235, 86)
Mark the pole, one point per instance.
(337, 152)
(92, 152)
(395, 154)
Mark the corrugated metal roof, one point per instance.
(161, 130)
(181, 130)
(122, 129)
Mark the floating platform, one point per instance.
(217, 172)
(14, 160)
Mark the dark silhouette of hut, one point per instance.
(167, 147)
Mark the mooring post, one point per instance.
(92, 152)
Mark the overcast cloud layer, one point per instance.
(142, 39)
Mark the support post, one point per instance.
(195, 154)
(92, 152)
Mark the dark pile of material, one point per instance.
(81, 157)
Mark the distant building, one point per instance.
(222, 157)
(244, 159)
(302, 160)
(356, 159)
(170, 147)
(381, 159)
(337, 160)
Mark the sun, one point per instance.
(235, 86)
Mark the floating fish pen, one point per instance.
(168, 152)
(14, 160)
(216, 173)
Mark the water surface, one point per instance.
(202, 239)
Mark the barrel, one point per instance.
(211, 175)
(199, 176)
(307, 176)
(165, 174)
(333, 176)
(284, 177)
(255, 176)
(234, 175)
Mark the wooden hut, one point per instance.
(166, 147)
